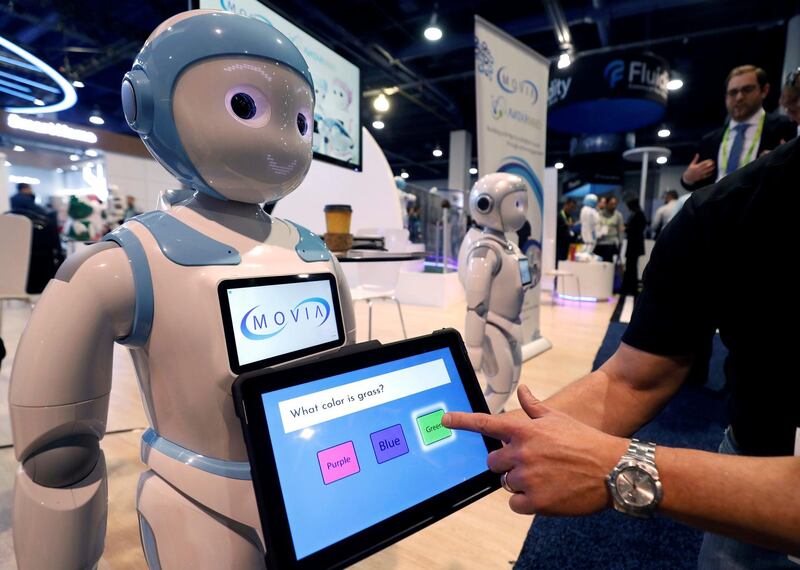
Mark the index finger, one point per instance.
(486, 424)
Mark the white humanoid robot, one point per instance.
(225, 103)
(495, 273)
(590, 221)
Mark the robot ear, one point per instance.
(484, 203)
(137, 101)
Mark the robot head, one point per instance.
(590, 200)
(225, 103)
(499, 201)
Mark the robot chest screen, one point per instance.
(268, 320)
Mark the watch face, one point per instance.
(636, 487)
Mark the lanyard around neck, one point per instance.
(748, 156)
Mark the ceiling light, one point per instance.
(18, 148)
(74, 157)
(378, 125)
(38, 102)
(661, 160)
(564, 60)
(473, 170)
(674, 84)
(59, 130)
(433, 33)
(60, 170)
(96, 118)
(664, 133)
(559, 165)
(78, 84)
(403, 174)
(91, 152)
(7, 163)
(23, 179)
(437, 152)
(381, 103)
(73, 167)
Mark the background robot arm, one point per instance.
(59, 394)
(482, 265)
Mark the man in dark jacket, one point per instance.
(634, 231)
(749, 132)
(564, 235)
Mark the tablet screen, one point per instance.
(525, 270)
(273, 319)
(356, 448)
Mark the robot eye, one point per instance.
(302, 124)
(243, 106)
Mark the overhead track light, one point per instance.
(433, 33)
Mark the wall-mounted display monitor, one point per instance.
(337, 84)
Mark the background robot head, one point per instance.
(499, 201)
(590, 200)
(225, 103)
(342, 96)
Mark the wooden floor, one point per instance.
(485, 535)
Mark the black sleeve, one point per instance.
(673, 315)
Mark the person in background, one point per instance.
(609, 241)
(790, 97)
(25, 200)
(665, 212)
(601, 204)
(749, 132)
(634, 230)
(564, 234)
(130, 209)
(47, 253)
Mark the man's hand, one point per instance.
(697, 171)
(557, 465)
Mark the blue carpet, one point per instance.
(695, 418)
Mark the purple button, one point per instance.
(389, 443)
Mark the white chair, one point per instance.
(16, 233)
(377, 280)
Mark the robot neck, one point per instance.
(493, 232)
(240, 217)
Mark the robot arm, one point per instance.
(59, 394)
(482, 265)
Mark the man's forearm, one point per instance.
(754, 499)
(625, 393)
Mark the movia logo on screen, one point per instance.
(614, 72)
(230, 6)
(262, 325)
(511, 84)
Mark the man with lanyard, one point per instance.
(750, 132)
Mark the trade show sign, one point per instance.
(608, 93)
(511, 96)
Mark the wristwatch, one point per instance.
(634, 483)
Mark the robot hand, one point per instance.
(475, 354)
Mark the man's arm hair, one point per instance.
(624, 393)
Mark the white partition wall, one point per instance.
(371, 193)
(142, 178)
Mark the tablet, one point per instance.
(269, 320)
(349, 455)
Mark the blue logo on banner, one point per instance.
(510, 84)
(613, 72)
(266, 325)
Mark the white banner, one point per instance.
(511, 95)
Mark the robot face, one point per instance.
(341, 98)
(246, 124)
(513, 210)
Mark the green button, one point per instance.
(431, 428)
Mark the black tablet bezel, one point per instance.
(274, 520)
(227, 323)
